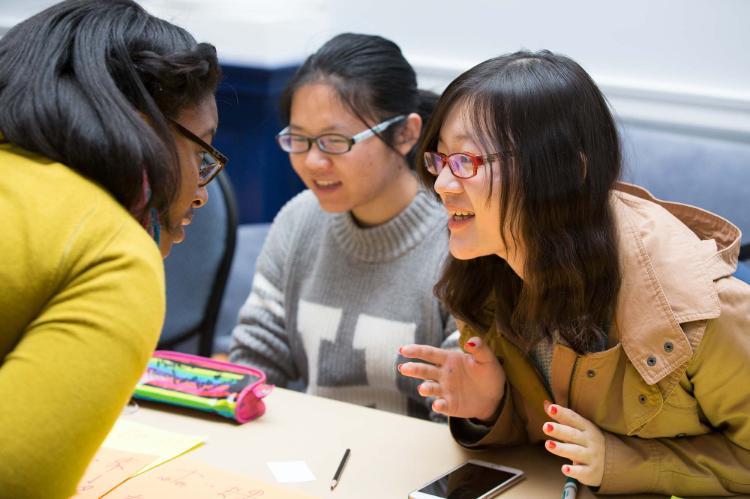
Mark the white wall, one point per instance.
(667, 63)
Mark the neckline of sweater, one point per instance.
(392, 239)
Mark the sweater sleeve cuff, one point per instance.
(629, 468)
(472, 434)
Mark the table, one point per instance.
(391, 455)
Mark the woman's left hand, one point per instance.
(578, 439)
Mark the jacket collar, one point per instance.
(670, 254)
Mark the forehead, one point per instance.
(201, 118)
(317, 106)
(456, 127)
(468, 127)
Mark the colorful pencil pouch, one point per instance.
(209, 385)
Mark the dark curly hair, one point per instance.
(91, 83)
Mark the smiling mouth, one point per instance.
(326, 184)
(461, 215)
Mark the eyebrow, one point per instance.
(459, 138)
(209, 134)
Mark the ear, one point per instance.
(409, 133)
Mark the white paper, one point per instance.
(291, 471)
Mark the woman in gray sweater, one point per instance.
(345, 276)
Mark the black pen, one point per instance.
(337, 476)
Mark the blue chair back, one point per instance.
(197, 271)
(250, 239)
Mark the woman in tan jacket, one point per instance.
(576, 289)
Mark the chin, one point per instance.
(165, 244)
(329, 207)
(165, 248)
(463, 251)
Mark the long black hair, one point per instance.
(90, 83)
(563, 158)
(371, 77)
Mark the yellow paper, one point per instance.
(189, 479)
(130, 436)
(108, 469)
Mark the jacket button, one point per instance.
(590, 373)
(668, 346)
(651, 361)
(642, 398)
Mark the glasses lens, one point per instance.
(208, 167)
(290, 142)
(433, 162)
(334, 143)
(461, 165)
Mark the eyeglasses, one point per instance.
(330, 143)
(212, 161)
(461, 164)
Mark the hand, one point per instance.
(577, 439)
(467, 384)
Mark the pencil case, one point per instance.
(208, 385)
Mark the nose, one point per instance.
(447, 183)
(201, 197)
(316, 159)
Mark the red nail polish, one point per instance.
(548, 428)
(551, 444)
(566, 469)
(471, 344)
(553, 410)
(399, 367)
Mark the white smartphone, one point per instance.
(472, 480)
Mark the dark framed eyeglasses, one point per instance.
(212, 160)
(461, 164)
(330, 143)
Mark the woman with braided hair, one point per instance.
(106, 115)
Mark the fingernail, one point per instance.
(566, 469)
(553, 410)
(551, 444)
(401, 350)
(399, 367)
(548, 428)
(471, 344)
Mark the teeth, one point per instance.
(460, 213)
(326, 183)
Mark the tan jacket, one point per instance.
(672, 391)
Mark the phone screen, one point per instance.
(467, 482)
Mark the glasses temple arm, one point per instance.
(377, 128)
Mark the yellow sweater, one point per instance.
(82, 302)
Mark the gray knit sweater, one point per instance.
(332, 302)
